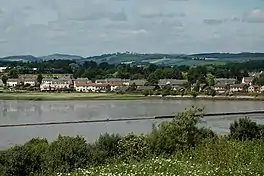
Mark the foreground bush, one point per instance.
(67, 153)
(246, 129)
(180, 134)
(217, 156)
(133, 148)
(24, 160)
(208, 153)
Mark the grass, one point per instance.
(68, 96)
(220, 158)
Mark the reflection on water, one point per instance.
(15, 112)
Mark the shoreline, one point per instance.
(112, 96)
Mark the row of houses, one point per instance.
(31, 79)
(245, 86)
(222, 88)
(65, 82)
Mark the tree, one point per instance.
(132, 88)
(4, 79)
(198, 73)
(210, 79)
(13, 73)
(108, 88)
(39, 78)
(152, 79)
(259, 81)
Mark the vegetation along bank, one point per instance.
(178, 147)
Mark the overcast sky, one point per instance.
(91, 27)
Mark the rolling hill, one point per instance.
(143, 59)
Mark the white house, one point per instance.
(261, 89)
(55, 84)
(221, 88)
(81, 81)
(96, 87)
(31, 82)
(113, 81)
(237, 87)
(12, 82)
(253, 88)
(225, 81)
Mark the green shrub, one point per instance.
(108, 146)
(179, 134)
(157, 92)
(165, 93)
(133, 147)
(146, 93)
(26, 159)
(194, 93)
(67, 153)
(244, 129)
(173, 92)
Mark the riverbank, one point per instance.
(40, 96)
(43, 96)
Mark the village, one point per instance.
(66, 82)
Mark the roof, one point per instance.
(237, 86)
(171, 81)
(29, 79)
(225, 80)
(248, 79)
(57, 81)
(220, 85)
(101, 81)
(117, 80)
(255, 86)
(112, 80)
(12, 80)
(28, 76)
(138, 82)
(86, 84)
(82, 79)
(140, 88)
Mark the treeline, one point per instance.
(38, 157)
(93, 70)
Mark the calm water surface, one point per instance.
(15, 112)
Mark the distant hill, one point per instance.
(229, 55)
(143, 59)
(61, 57)
(23, 58)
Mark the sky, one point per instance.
(93, 27)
